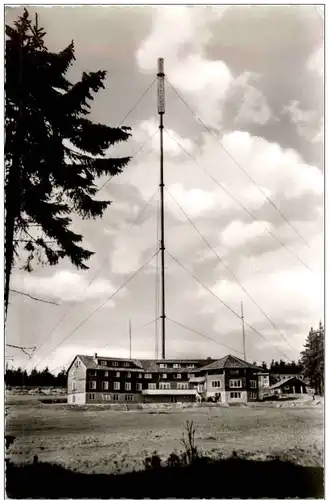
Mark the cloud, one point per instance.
(238, 233)
(205, 82)
(173, 144)
(64, 286)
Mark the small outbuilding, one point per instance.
(292, 385)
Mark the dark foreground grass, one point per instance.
(228, 478)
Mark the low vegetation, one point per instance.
(188, 474)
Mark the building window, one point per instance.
(92, 385)
(236, 383)
(128, 386)
(129, 397)
(106, 374)
(73, 398)
(164, 386)
(178, 375)
(106, 397)
(93, 374)
(235, 395)
(138, 387)
(190, 366)
(140, 375)
(253, 395)
(115, 397)
(176, 365)
(115, 363)
(92, 396)
(152, 386)
(216, 383)
(126, 364)
(116, 386)
(234, 372)
(163, 365)
(104, 363)
(190, 375)
(105, 386)
(73, 386)
(182, 385)
(117, 374)
(253, 384)
(129, 375)
(164, 375)
(148, 375)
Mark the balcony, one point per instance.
(169, 392)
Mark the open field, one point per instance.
(108, 441)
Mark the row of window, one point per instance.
(116, 386)
(234, 384)
(140, 375)
(114, 363)
(175, 365)
(237, 395)
(110, 397)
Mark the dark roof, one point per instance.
(90, 363)
(288, 380)
(147, 365)
(153, 365)
(229, 361)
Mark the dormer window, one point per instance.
(126, 364)
(190, 366)
(163, 365)
(104, 363)
(115, 363)
(176, 365)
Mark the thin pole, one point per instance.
(243, 333)
(130, 339)
(161, 111)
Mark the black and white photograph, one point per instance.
(164, 267)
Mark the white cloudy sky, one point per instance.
(254, 77)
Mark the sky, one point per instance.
(243, 160)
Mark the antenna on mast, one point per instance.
(243, 333)
(129, 339)
(161, 112)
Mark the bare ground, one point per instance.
(91, 440)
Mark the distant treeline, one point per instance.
(36, 378)
(284, 367)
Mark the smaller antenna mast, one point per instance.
(129, 339)
(243, 333)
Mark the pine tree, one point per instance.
(53, 152)
(312, 359)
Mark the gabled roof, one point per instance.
(90, 363)
(229, 361)
(147, 365)
(283, 382)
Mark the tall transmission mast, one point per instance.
(161, 112)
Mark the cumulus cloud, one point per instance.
(204, 81)
(173, 144)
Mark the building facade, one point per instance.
(94, 379)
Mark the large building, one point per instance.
(94, 379)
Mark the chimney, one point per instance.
(95, 357)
